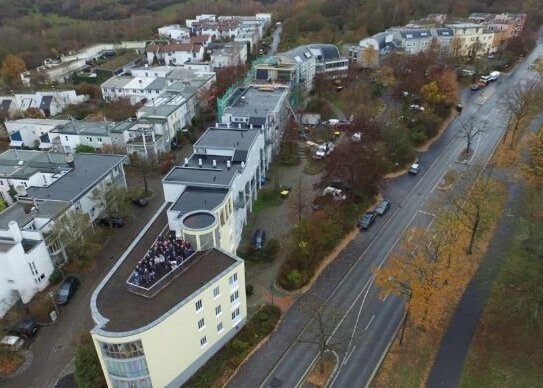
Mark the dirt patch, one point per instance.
(10, 362)
(463, 156)
(321, 371)
(448, 180)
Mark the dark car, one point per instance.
(27, 328)
(114, 222)
(259, 239)
(367, 219)
(383, 207)
(140, 201)
(67, 290)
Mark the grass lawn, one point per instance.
(507, 349)
(267, 197)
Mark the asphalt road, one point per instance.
(369, 320)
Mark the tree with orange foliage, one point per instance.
(430, 265)
(533, 171)
(12, 67)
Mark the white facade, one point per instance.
(229, 55)
(175, 54)
(26, 265)
(174, 31)
(49, 103)
(31, 130)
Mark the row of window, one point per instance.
(232, 280)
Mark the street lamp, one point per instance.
(409, 293)
(54, 303)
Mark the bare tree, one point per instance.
(469, 130)
(519, 104)
(113, 200)
(300, 202)
(321, 331)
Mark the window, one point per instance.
(219, 327)
(89, 139)
(66, 138)
(218, 310)
(100, 139)
(201, 324)
(216, 292)
(233, 279)
(123, 351)
(234, 297)
(203, 341)
(199, 305)
(235, 313)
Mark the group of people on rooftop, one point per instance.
(166, 254)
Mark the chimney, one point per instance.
(228, 164)
(242, 165)
(251, 126)
(15, 231)
(216, 125)
(239, 125)
(186, 161)
(200, 162)
(214, 163)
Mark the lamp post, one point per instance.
(54, 303)
(409, 292)
(271, 291)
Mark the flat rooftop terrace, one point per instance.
(127, 311)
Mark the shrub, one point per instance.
(294, 278)
(239, 346)
(249, 290)
(85, 149)
(55, 277)
(270, 251)
(88, 373)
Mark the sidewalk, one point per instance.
(448, 365)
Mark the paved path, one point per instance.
(449, 362)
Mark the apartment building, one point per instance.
(197, 305)
(33, 133)
(174, 32)
(46, 185)
(174, 53)
(48, 103)
(471, 39)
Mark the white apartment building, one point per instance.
(31, 132)
(228, 54)
(172, 109)
(174, 32)
(47, 185)
(174, 53)
(49, 103)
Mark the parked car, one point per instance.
(383, 207)
(140, 201)
(416, 108)
(27, 328)
(337, 194)
(324, 150)
(414, 169)
(67, 290)
(259, 239)
(11, 343)
(115, 222)
(366, 220)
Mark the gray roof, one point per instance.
(116, 82)
(158, 84)
(206, 176)
(443, 31)
(77, 127)
(195, 198)
(252, 102)
(22, 164)
(46, 102)
(329, 51)
(4, 105)
(298, 54)
(88, 171)
(416, 33)
(238, 139)
(20, 212)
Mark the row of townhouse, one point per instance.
(150, 82)
(48, 103)
(47, 185)
(481, 34)
(199, 303)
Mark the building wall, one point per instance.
(172, 348)
(23, 273)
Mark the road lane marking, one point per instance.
(349, 355)
(369, 323)
(386, 296)
(427, 213)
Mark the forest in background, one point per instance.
(39, 29)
